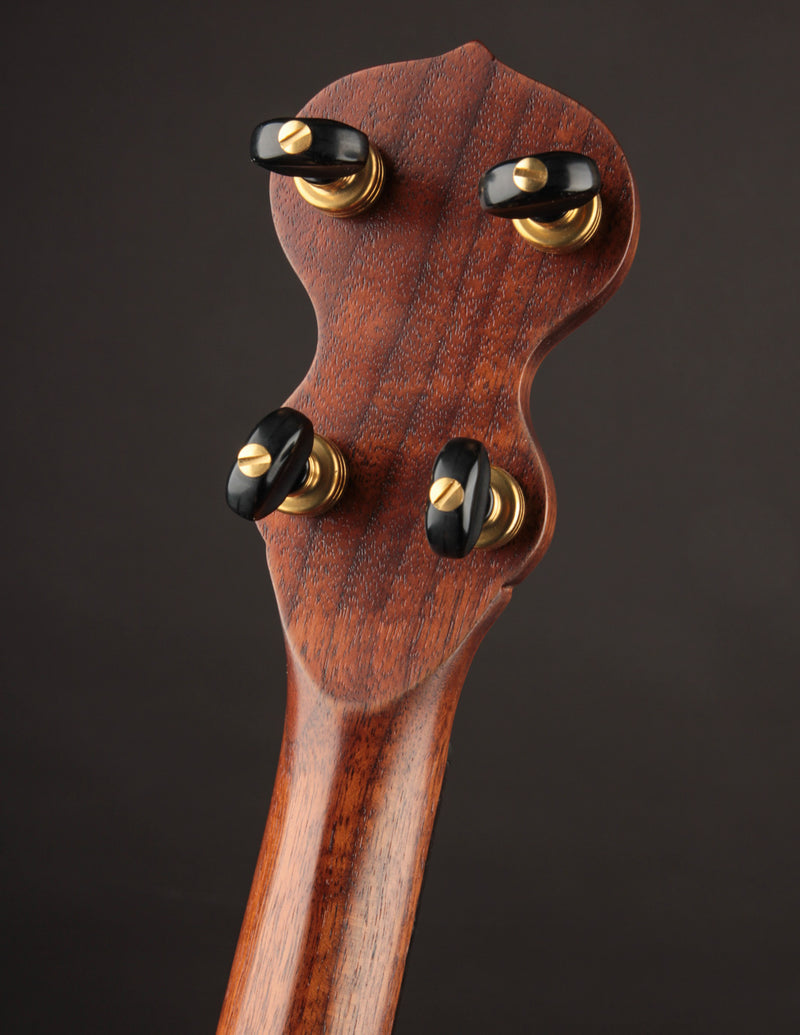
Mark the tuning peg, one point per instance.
(553, 198)
(471, 503)
(285, 466)
(335, 168)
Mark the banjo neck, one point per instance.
(451, 221)
(331, 909)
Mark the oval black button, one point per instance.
(271, 464)
(459, 497)
(319, 150)
(541, 187)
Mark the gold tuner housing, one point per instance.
(324, 483)
(506, 512)
(349, 195)
(569, 232)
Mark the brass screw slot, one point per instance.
(506, 513)
(446, 494)
(565, 234)
(350, 195)
(294, 137)
(529, 175)
(253, 460)
(324, 482)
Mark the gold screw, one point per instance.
(253, 460)
(529, 175)
(294, 137)
(446, 494)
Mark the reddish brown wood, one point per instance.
(332, 904)
(433, 318)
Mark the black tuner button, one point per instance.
(319, 150)
(541, 187)
(553, 198)
(459, 497)
(471, 503)
(271, 464)
(335, 168)
(285, 466)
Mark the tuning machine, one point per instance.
(285, 466)
(471, 503)
(334, 166)
(553, 198)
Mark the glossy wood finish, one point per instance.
(332, 903)
(433, 317)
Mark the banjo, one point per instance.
(451, 220)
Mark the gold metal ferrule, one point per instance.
(565, 234)
(350, 195)
(506, 513)
(324, 482)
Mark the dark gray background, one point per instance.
(617, 849)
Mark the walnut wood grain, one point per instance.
(433, 318)
(332, 903)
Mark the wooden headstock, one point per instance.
(433, 318)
